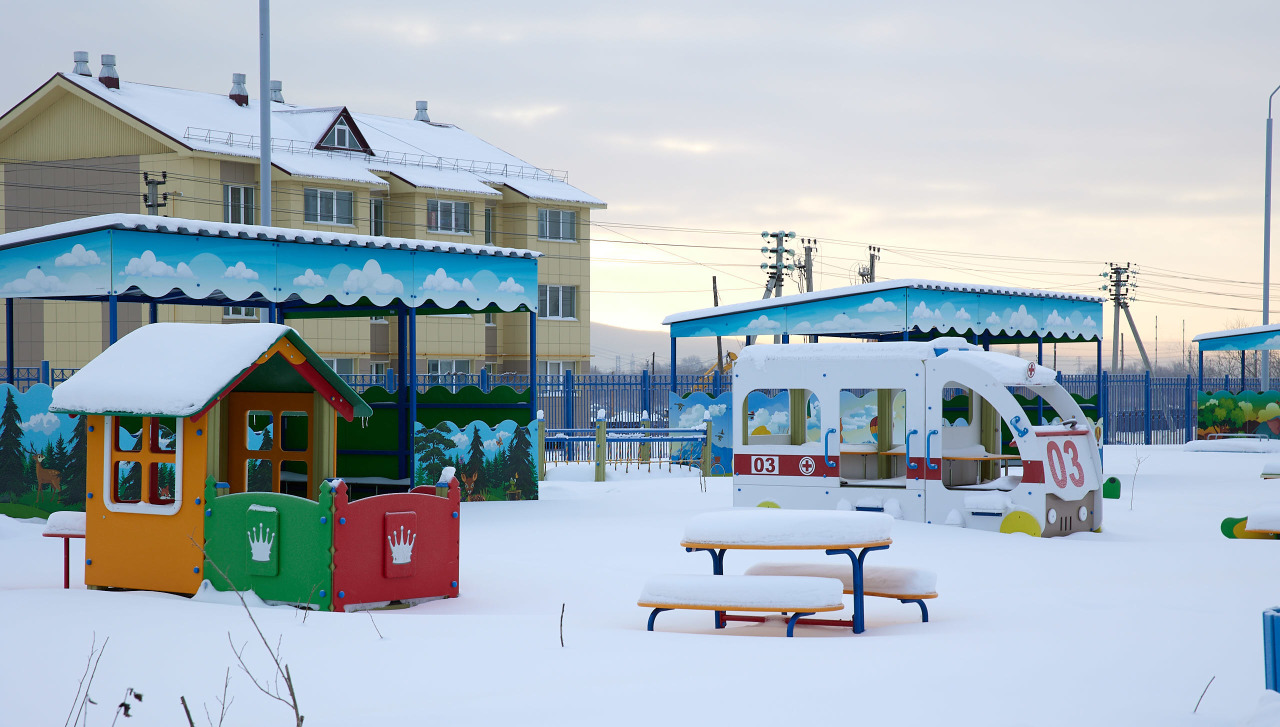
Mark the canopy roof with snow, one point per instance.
(181, 369)
(900, 309)
(169, 260)
(422, 154)
(1253, 338)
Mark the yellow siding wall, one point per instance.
(72, 127)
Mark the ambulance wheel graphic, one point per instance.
(1020, 522)
(769, 503)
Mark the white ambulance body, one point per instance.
(875, 438)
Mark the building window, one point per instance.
(558, 225)
(377, 218)
(239, 312)
(557, 301)
(340, 137)
(445, 216)
(489, 319)
(446, 366)
(490, 236)
(341, 366)
(377, 319)
(327, 206)
(378, 368)
(554, 368)
(237, 204)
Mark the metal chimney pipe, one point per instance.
(422, 113)
(277, 92)
(82, 63)
(108, 75)
(239, 93)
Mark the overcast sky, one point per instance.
(1013, 143)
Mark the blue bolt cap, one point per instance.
(453, 584)
(197, 501)
(195, 570)
(455, 516)
(323, 519)
(342, 594)
(90, 495)
(208, 513)
(88, 561)
(322, 594)
(342, 521)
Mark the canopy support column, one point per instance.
(1242, 382)
(153, 313)
(112, 326)
(673, 364)
(8, 340)
(413, 389)
(1200, 371)
(1040, 362)
(402, 388)
(533, 365)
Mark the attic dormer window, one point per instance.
(340, 137)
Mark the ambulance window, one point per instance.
(767, 417)
(867, 415)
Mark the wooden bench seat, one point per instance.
(909, 585)
(797, 595)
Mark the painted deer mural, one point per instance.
(52, 478)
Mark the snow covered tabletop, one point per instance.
(768, 527)
(889, 579)
(65, 524)
(743, 593)
(1264, 519)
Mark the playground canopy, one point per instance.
(1252, 338)
(289, 273)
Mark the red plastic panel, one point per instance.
(368, 555)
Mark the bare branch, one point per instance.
(87, 663)
(375, 624)
(86, 701)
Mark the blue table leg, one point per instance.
(857, 559)
(791, 622)
(924, 612)
(717, 558)
(654, 615)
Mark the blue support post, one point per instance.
(1192, 410)
(786, 338)
(153, 313)
(673, 364)
(44, 374)
(1103, 414)
(1040, 362)
(567, 396)
(1200, 374)
(8, 340)
(112, 326)
(646, 392)
(533, 365)
(1271, 648)
(1146, 400)
(413, 388)
(716, 384)
(273, 315)
(484, 379)
(402, 395)
(1242, 379)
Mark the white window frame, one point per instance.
(547, 303)
(241, 313)
(238, 201)
(557, 225)
(341, 136)
(108, 482)
(436, 366)
(378, 368)
(546, 366)
(490, 234)
(335, 198)
(377, 217)
(332, 362)
(458, 216)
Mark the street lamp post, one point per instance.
(1265, 369)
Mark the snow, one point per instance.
(773, 527)
(261, 508)
(1234, 444)
(875, 579)
(165, 369)
(746, 592)
(150, 223)
(1120, 628)
(1266, 519)
(1232, 332)
(66, 522)
(788, 300)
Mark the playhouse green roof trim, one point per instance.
(179, 369)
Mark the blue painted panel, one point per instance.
(72, 266)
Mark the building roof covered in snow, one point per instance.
(181, 369)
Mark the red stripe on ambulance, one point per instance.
(784, 465)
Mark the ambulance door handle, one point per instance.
(911, 465)
(927, 439)
(826, 447)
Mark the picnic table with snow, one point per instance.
(65, 524)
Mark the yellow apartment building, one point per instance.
(81, 145)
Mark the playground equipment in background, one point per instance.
(222, 438)
(1260, 524)
(624, 445)
(819, 453)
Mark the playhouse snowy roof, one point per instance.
(440, 156)
(178, 369)
(1252, 338)
(171, 260)
(886, 310)
(1006, 369)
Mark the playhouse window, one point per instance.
(293, 477)
(259, 476)
(260, 432)
(164, 434)
(128, 432)
(127, 481)
(162, 483)
(144, 460)
(293, 431)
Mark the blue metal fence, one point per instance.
(1138, 408)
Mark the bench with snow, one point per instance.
(908, 585)
(65, 524)
(798, 595)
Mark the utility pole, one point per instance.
(806, 268)
(1119, 285)
(868, 272)
(153, 199)
(264, 111)
(778, 267)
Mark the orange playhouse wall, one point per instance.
(141, 550)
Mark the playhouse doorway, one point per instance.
(270, 443)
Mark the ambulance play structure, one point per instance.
(210, 456)
(862, 426)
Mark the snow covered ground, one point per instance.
(1125, 627)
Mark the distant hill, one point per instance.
(612, 345)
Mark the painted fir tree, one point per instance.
(475, 455)
(73, 466)
(13, 470)
(520, 468)
(430, 448)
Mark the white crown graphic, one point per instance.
(260, 541)
(401, 546)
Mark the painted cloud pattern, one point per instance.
(77, 257)
(240, 271)
(35, 282)
(147, 266)
(309, 279)
(370, 280)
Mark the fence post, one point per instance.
(1271, 648)
(1103, 394)
(1146, 395)
(706, 445)
(600, 446)
(44, 374)
(1193, 408)
(644, 454)
(715, 384)
(390, 383)
(484, 380)
(541, 444)
(646, 391)
(567, 395)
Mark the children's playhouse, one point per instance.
(211, 451)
